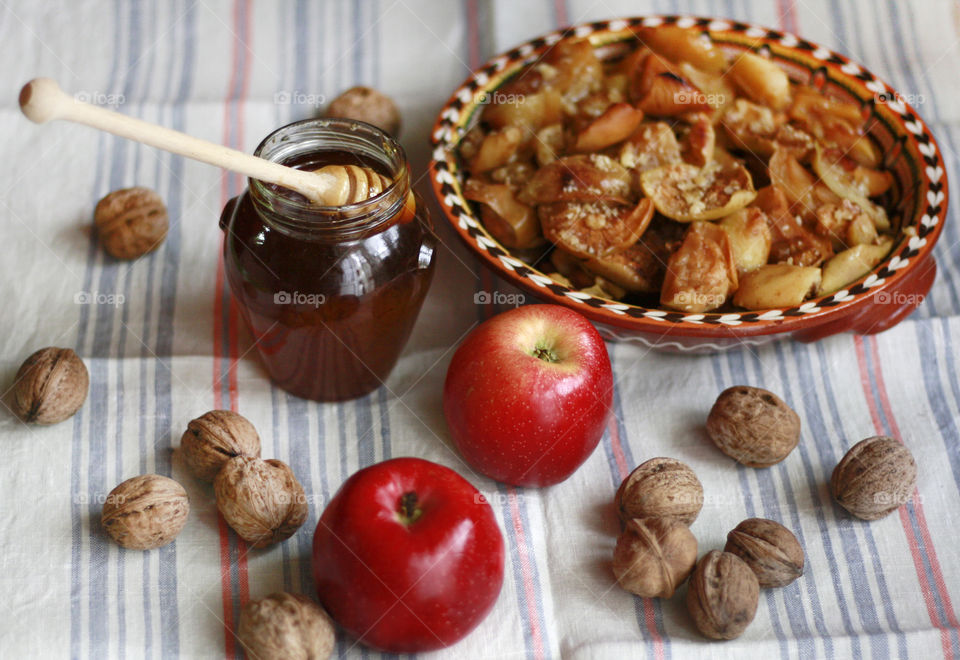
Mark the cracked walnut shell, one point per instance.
(131, 222)
(284, 626)
(723, 595)
(51, 385)
(661, 488)
(654, 556)
(874, 478)
(753, 426)
(145, 512)
(261, 500)
(214, 438)
(770, 550)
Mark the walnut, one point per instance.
(661, 487)
(770, 550)
(261, 500)
(723, 595)
(131, 222)
(369, 105)
(50, 386)
(214, 438)
(874, 478)
(654, 556)
(285, 626)
(753, 426)
(145, 512)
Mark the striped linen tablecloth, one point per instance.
(164, 343)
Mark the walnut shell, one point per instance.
(753, 426)
(261, 500)
(771, 551)
(145, 512)
(51, 385)
(214, 438)
(131, 222)
(874, 478)
(723, 595)
(369, 105)
(661, 487)
(654, 556)
(285, 626)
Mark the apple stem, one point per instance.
(409, 512)
(545, 354)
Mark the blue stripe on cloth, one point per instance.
(814, 478)
(936, 394)
(104, 326)
(915, 530)
(829, 457)
(170, 266)
(852, 547)
(738, 373)
(638, 603)
(78, 489)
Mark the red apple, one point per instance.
(407, 556)
(528, 394)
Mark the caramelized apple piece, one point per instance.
(651, 146)
(573, 69)
(850, 265)
(701, 274)
(805, 193)
(750, 238)
(513, 224)
(752, 127)
(834, 122)
(699, 140)
(682, 45)
(718, 91)
(616, 124)
(659, 90)
(792, 242)
(640, 267)
(687, 193)
(594, 229)
(527, 103)
(834, 221)
(761, 80)
(572, 268)
(829, 165)
(777, 285)
(496, 149)
(549, 143)
(580, 179)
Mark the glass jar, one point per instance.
(330, 294)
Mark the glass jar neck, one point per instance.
(312, 143)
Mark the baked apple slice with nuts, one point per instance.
(688, 193)
(594, 229)
(640, 268)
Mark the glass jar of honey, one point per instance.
(330, 294)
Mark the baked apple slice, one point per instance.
(688, 193)
(594, 229)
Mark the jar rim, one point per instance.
(295, 139)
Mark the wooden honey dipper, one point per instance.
(42, 100)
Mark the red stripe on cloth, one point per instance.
(915, 552)
(526, 571)
(560, 13)
(788, 15)
(239, 82)
(648, 612)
